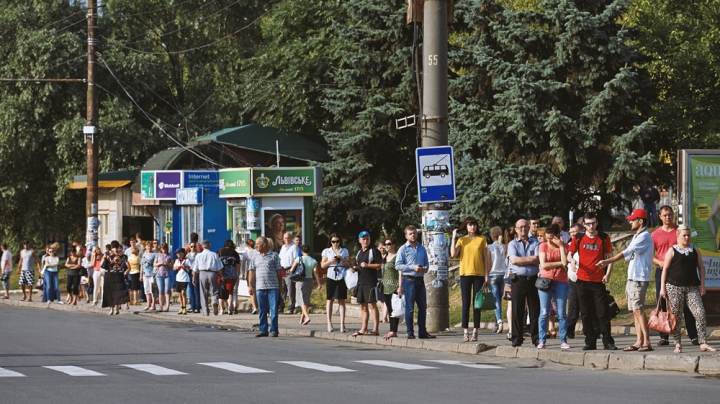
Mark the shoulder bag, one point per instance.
(662, 321)
(484, 299)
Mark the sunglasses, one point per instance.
(192, 246)
(334, 241)
(388, 244)
(590, 224)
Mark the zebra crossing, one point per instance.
(157, 370)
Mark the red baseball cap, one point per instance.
(638, 213)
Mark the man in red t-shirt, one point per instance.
(593, 246)
(664, 238)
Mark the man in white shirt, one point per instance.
(289, 252)
(207, 269)
(6, 270)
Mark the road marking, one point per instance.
(235, 367)
(467, 365)
(154, 369)
(396, 365)
(317, 366)
(10, 373)
(74, 371)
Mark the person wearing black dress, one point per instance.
(116, 269)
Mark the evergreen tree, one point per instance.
(549, 110)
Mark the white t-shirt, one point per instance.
(182, 275)
(336, 271)
(6, 260)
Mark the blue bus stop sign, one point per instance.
(435, 173)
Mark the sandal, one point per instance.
(707, 348)
(678, 348)
(465, 337)
(373, 333)
(474, 336)
(631, 348)
(306, 322)
(389, 335)
(23, 298)
(645, 348)
(356, 333)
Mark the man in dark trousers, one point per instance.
(650, 197)
(524, 268)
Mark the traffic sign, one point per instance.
(436, 174)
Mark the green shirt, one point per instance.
(390, 276)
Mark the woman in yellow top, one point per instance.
(135, 282)
(474, 260)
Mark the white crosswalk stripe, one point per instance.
(10, 373)
(396, 365)
(154, 369)
(317, 366)
(74, 371)
(232, 367)
(467, 365)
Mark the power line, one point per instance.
(119, 45)
(198, 154)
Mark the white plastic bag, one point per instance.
(398, 306)
(351, 279)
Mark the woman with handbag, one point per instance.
(497, 275)
(391, 281)
(681, 285)
(474, 271)
(304, 286)
(335, 262)
(552, 282)
(148, 274)
(96, 259)
(163, 268)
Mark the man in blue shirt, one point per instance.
(412, 264)
(639, 255)
(524, 268)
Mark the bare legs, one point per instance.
(329, 309)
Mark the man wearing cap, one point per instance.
(639, 255)
(182, 268)
(289, 252)
(207, 269)
(367, 262)
(412, 264)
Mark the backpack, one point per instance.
(299, 273)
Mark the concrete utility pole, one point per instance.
(435, 133)
(90, 130)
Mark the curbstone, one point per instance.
(324, 335)
(414, 343)
(386, 342)
(709, 365)
(441, 346)
(305, 333)
(680, 363)
(523, 352)
(552, 355)
(597, 360)
(340, 336)
(472, 349)
(368, 339)
(506, 351)
(400, 342)
(572, 358)
(626, 362)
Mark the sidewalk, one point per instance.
(662, 358)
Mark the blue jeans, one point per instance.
(268, 301)
(193, 294)
(497, 286)
(652, 214)
(560, 290)
(414, 292)
(52, 286)
(6, 284)
(163, 284)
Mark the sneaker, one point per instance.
(564, 345)
(695, 341)
(215, 308)
(495, 329)
(509, 337)
(255, 311)
(541, 345)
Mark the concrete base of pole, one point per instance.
(438, 305)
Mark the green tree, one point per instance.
(550, 111)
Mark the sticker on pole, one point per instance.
(436, 174)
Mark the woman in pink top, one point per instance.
(553, 265)
(97, 273)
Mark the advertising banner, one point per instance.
(208, 180)
(147, 185)
(167, 183)
(702, 213)
(295, 181)
(235, 183)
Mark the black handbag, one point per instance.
(543, 283)
(379, 290)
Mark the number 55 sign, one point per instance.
(436, 174)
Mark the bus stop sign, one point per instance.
(435, 173)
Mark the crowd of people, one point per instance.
(549, 277)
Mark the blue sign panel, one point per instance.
(208, 180)
(189, 196)
(435, 173)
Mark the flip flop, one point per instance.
(23, 299)
(631, 348)
(356, 333)
(372, 333)
(388, 335)
(645, 348)
(305, 322)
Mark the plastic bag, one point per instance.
(351, 279)
(398, 306)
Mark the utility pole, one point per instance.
(434, 132)
(91, 130)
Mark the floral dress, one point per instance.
(390, 276)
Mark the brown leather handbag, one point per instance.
(662, 321)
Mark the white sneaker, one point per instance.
(59, 302)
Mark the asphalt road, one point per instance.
(129, 359)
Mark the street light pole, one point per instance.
(91, 129)
(435, 133)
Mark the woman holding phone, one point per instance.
(335, 262)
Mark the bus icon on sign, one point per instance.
(436, 170)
